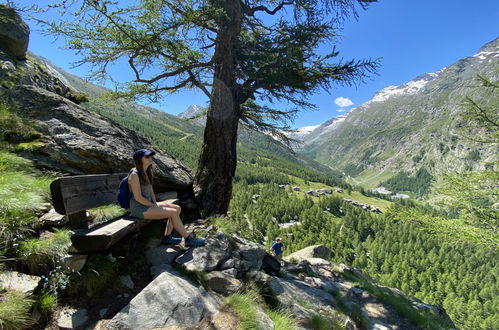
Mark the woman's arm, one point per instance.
(135, 187)
(153, 196)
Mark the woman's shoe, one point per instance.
(170, 240)
(193, 241)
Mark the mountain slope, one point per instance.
(183, 138)
(411, 127)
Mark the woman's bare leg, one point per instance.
(169, 222)
(169, 226)
(161, 212)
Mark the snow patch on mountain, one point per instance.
(484, 54)
(306, 129)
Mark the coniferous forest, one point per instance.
(408, 247)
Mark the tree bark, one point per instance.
(218, 158)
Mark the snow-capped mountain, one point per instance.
(411, 126)
(193, 111)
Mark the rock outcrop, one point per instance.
(167, 301)
(73, 140)
(79, 142)
(14, 33)
(314, 251)
(310, 288)
(10, 280)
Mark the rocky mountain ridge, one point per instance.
(411, 126)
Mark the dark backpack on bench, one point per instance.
(124, 194)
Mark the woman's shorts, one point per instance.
(138, 211)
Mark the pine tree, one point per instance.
(240, 53)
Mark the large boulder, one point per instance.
(158, 254)
(169, 300)
(11, 280)
(14, 33)
(222, 283)
(314, 251)
(71, 318)
(250, 253)
(79, 142)
(206, 258)
(290, 292)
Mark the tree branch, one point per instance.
(250, 11)
(199, 84)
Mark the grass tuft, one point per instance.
(107, 212)
(22, 194)
(14, 310)
(99, 273)
(47, 302)
(225, 225)
(318, 322)
(244, 306)
(282, 320)
(41, 252)
(196, 276)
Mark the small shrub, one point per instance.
(474, 155)
(224, 224)
(14, 310)
(13, 128)
(77, 97)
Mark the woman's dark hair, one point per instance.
(145, 176)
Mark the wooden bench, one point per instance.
(74, 195)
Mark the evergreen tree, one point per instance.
(238, 52)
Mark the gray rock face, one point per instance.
(222, 283)
(158, 254)
(127, 281)
(158, 269)
(73, 262)
(264, 321)
(271, 264)
(205, 258)
(72, 318)
(167, 301)
(250, 253)
(80, 142)
(52, 218)
(314, 251)
(289, 292)
(11, 280)
(14, 33)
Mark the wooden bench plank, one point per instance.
(103, 236)
(78, 193)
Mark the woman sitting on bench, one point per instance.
(143, 203)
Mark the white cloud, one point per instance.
(340, 110)
(343, 101)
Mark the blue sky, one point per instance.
(410, 37)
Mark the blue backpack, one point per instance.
(124, 194)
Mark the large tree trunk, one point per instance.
(218, 159)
